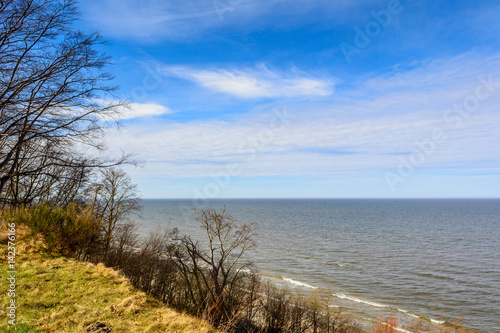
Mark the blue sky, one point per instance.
(296, 98)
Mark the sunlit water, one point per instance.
(376, 258)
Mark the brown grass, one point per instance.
(58, 294)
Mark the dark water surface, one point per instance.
(407, 258)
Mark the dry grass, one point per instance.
(58, 294)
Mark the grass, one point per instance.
(59, 294)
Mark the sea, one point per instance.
(430, 259)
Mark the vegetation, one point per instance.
(390, 325)
(215, 275)
(55, 103)
(60, 294)
(54, 97)
(212, 281)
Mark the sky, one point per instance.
(306, 98)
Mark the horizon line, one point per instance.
(321, 198)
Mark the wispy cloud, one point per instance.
(313, 147)
(135, 110)
(141, 110)
(180, 18)
(254, 83)
(374, 122)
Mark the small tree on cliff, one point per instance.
(113, 198)
(214, 271)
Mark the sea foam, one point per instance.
(409, 314)
(358, 300)
(298, 283)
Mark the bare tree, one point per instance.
(214, 273)
(38, 179)
(113, 198)
(52, 84)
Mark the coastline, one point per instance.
(38, 258)
(410, 257)
(406, 320)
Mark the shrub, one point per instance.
(213, 281)
(69, 230)
(387, 325)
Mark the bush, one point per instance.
(69, 230)
(214, 282)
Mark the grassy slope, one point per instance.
(58, 294)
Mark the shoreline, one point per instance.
(414, 252)
(367, 320)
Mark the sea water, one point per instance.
(434, 259)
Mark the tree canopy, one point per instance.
(53, 82)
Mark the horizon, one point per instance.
(333, 198)
(306, 99)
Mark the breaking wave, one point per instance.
(298, 283)
(358, 300)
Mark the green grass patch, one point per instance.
(58, 294)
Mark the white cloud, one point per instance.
(364, 132)
(134, 110)
(256, 83)
(142, 110)
(315, 147)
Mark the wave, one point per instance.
(298, 283)
(437, 276)
(409, 314)
(335, 264)
(362, 301)
(358, 300)
(378, 305)
(434, 321)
